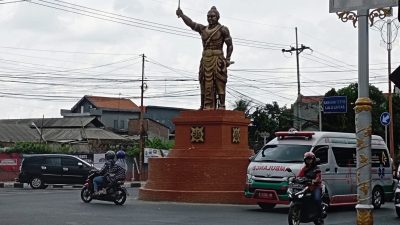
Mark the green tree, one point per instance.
(242, 105)
(345, 122)
(270, 118)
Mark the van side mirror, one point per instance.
(288, 169)
(251, 158)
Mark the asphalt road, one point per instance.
(63, 206)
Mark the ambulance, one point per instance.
(267, 178)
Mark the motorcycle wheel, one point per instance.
(398, 211)
(120, 196)
(319, 222)
(86, 195)
(294, 216)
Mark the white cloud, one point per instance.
(262, 23)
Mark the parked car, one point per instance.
(40, 170)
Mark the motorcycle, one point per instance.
(115, 192)
(397, 199)
(303, 208)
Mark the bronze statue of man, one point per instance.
(213, 65)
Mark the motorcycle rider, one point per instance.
(121, 159)
(311, 171)
(109, 173)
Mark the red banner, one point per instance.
(10, 162)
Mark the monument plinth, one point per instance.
(208, 163)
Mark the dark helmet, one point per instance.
(121, 154)
(109, 155)
(309, 155)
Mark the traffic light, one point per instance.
(395, 77)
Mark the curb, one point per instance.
(21, 185)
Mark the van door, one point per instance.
(51, 170)
(344, 170)
(321, 153)
(74, 171)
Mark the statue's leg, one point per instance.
(221, 98)
(201, 82)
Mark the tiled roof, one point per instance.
(112, 103)
(310, 99)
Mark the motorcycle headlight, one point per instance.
(300, 195)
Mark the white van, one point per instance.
(267, 179)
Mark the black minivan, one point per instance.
(40, 170)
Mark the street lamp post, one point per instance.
(363, 108)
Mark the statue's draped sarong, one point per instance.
(212, 76)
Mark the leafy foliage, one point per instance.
(30, 148)
(158, 143)
(344, 122)
(269, 118)
(133, 150)
(242, 105)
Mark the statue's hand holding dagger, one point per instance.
(179, 13)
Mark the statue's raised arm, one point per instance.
(195, 26)
(213, 64)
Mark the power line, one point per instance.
(111, 17)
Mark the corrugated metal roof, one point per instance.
(70, 122)
(79, 134)
(14, 131)
(17, 133)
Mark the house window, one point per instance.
(115, 124)
(122, 124)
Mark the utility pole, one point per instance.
(298, 51)
(389, 40)
(389, 49)
(141, 130)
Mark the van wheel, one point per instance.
(377, 197)
(266, 206)
(36, 183)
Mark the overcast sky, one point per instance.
(52, 52)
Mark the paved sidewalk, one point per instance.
(129, 184)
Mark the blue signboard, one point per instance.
(335, 104)
(385, 118)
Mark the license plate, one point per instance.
(266, 195)
(297, 186)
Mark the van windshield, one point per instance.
(282, 153)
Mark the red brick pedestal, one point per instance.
(208, 163)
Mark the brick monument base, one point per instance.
(208, 163)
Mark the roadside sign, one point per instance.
(350, 5)
(335, 104)
(385, 118)
(395, 76)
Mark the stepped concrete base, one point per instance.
(209, 171)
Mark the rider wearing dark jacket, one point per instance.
(109, 173)
(311, 171)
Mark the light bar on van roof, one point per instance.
(282, 134)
